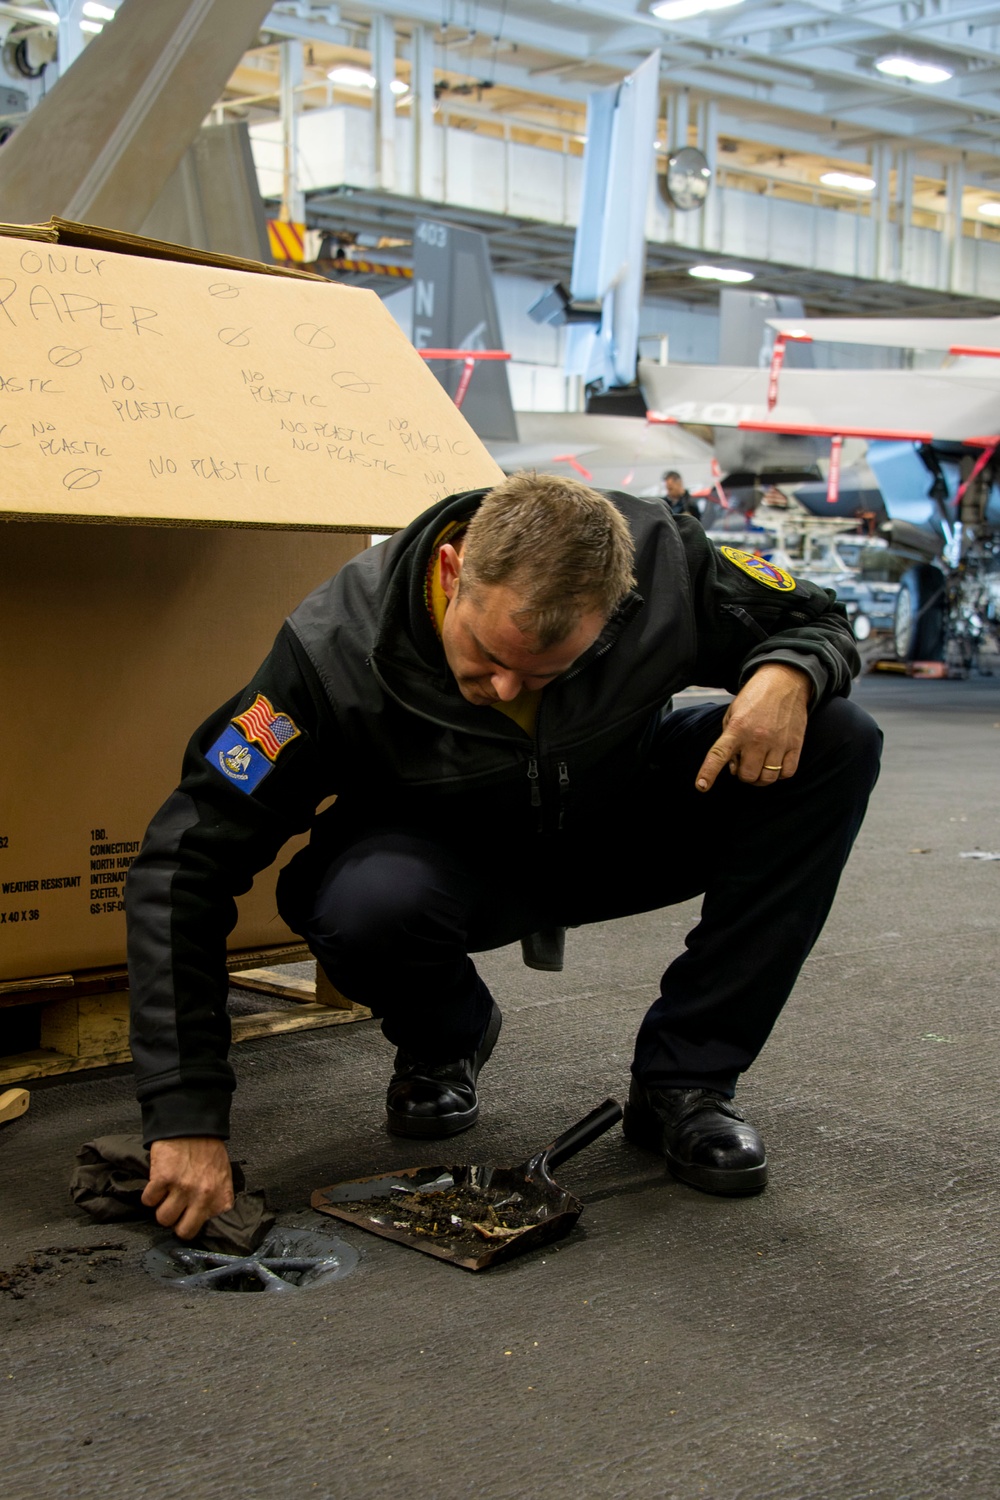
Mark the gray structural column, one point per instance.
(882, 171)
(954, 185)
(422, 111)
(904, 214)
(69, 35)
(383, 54)
(293, 202)
(682, 231)
(708, 142)
(103, 142)
(669, 108)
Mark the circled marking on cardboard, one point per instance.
(347, 380)
(224, 290)
(236, 338)
(64, 356)
(315, 336)
(82, 479)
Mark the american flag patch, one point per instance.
(264, 726)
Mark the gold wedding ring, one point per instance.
(772, 768)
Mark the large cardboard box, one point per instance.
(229, 440)
(126, 638)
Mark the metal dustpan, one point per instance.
(486, 1213)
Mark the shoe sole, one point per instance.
(439, 1128)
(431, 1129)
(643, 1131)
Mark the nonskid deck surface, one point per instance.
(832, 1338)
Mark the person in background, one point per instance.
(677, 496)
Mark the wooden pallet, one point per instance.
(83, 1021)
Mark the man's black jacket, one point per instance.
(362, 704)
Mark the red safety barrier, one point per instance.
(574, 463)
(717, 484)
(977, 469)
(468, 358)
(778, 359)
(975, 351)
(833, 478)
(463, 354)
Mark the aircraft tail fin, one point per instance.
(454, 308)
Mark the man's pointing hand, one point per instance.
(763, 729)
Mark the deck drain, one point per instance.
(288, 1260)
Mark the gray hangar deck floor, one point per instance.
(834, 1338)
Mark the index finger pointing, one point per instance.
(719, 755)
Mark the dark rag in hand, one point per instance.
(111, 1175)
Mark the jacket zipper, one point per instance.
(747, 620)
(563, 770)
(602, 651)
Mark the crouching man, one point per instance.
(487, 694)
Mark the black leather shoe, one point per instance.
(705, 1139)
(432, 1100)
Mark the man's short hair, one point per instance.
(672, 474)
(563, 547)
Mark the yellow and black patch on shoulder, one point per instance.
(759, 569)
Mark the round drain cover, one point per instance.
(288, 1260)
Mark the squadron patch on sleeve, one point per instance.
(759, 568)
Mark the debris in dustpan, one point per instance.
(288, 1260)
(461, 1215)
(474, 1215)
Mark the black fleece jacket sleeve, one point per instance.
(202, 850)
(745, 622)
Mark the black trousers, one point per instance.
(396, 915)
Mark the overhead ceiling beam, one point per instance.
(718, 57)
(278, 23)
(876, 42)
(489, 21)
(808, 134)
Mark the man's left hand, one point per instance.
(763, 730)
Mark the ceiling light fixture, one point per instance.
(93, 27)
(852, 181)
(916, 72)
(360, 78)
(683, 10)
(352, 78)
(720, 273)
(990, 209)
(98, 12)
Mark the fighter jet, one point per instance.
(961, 404)
(932, 443)
(613, 453)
